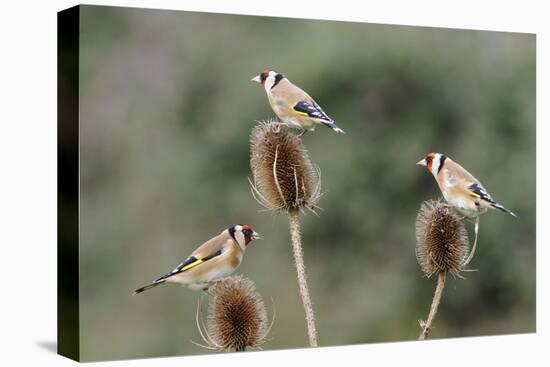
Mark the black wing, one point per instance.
(311, 109)
(189, 263)
(477, 191)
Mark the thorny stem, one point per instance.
(427, 325)
(294, 220)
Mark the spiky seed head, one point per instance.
(284, 176)
(441, 239)
(237, 316)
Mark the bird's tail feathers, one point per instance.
(149, 286)
(333, 126)
(500, 207)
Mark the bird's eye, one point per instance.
(248, 232)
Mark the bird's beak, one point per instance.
(422, 162)
(256, 79)
(256, 236)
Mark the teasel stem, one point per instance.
(285, 179)
(426, 325)
(294, 219)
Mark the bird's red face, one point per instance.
(262, 77)
(427, 161)
(249, 234)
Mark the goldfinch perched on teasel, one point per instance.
(212, 261)
(291, 104)
(460, 189)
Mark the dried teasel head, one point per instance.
(237, 316)
(441, 239)
(284, 176)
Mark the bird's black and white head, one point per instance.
(433, 162)
(268, 78)
(243, 234)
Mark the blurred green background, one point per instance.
(167, 106)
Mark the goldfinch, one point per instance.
(460, 189)
(291, 104)
(213, 260)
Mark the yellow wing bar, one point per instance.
(475, 195)
(191, 265)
